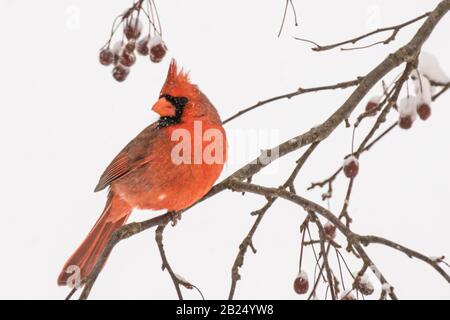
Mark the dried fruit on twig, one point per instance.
(405, 122)
(133, 29)
(407, 112)
(424, 111)
(106, 57)
(373, 103)
(364, 285)
(130, 25)
(117, 51)
(301, 284)
(387, 288)
(424, 92)
(330, 230)
(351, 167)
(130, 46)
(157, 49)
(142, 46)
(120, 73)
(127, 59)
(347, 295)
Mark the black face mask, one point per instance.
(178, 103)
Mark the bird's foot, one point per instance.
(175, 217)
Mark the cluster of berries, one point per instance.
(364, 285)
(428, 75)
(301, 283)
(361, 283)
(419, 105)
(409, 107)
(122, 55)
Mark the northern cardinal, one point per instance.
(148, 173)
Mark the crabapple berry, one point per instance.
(301, 284)
(351, 167)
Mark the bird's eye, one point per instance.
(183, 100)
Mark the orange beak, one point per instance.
(164, 108)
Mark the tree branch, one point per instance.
(248, 240)
(165, 263)
(366, 240)
(299, 91)
(355, 239)
(395, 29)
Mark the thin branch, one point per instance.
(366, 240)
(284, 18)
(71, 293)
(316, 258)
(440, 92)
(329, 181)
(300, 162)
(395, 29)
(381, 118)
(362, 253)
(288, 2)
(248, 240)
(246, 243)
(322, 267)
(299, 91)
(392, 101)
(165, 263)
(385, 132)
(311, 206)
(344, 211)
(362, 147)
(324, 254)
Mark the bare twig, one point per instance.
(311, 206)
(299, 91)
(288, 2)
(247, 242)
(344, 211)
(324, 254)
(329, 182)
(443, 90)
(395, 29)
(366, 240)
(322, 267)
(165, 263)
(392, 101)
(71, 293)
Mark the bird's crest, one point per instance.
(177, 81)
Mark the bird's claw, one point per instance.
(175, 217)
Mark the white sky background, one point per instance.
(63, 118)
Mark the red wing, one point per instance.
(134, 155)
(118, 168)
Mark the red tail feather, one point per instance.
(85, 257)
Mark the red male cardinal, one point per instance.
(156, 171)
